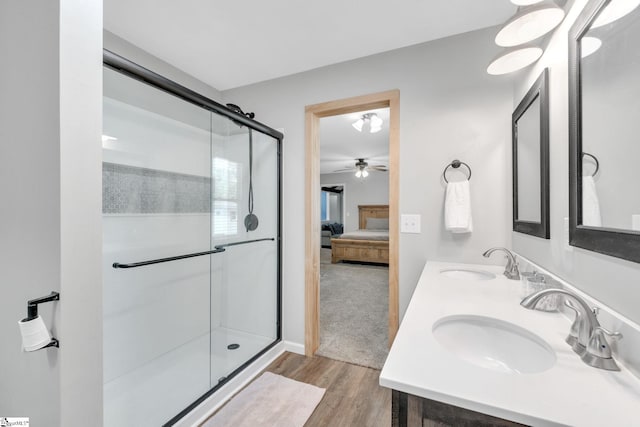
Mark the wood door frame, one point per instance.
(313, 113)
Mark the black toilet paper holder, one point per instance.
(54, 343)
(32, 305)
(32, 312)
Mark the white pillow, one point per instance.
(377, 224)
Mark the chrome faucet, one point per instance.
(591, 343)
(511, 269)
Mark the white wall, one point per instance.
(373, 190)
(30, 213)
(50, 123)
(80, 202)
(610, 280)
(133, 53)
(449, 108)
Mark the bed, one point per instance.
(370, 243)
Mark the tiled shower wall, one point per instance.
(135, 190)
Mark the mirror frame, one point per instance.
(539, 90)
(609, 241)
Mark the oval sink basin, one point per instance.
(494, 344)
(465, 274)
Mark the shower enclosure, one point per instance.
(191, 292)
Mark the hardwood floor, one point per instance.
(353, 396)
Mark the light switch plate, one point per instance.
(410, 223)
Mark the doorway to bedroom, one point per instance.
(354, 253)
(352, 234)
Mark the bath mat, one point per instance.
(271, 400)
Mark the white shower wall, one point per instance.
(151, 310)
(248, 301)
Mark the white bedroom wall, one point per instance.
(373, 190)
(610, 280)
(449, 108)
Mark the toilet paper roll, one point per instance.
(35, 334)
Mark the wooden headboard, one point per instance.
(371, 211)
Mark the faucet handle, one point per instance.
(511, 270)
(614, 335)
(598, 352)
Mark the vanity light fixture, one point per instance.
(513, 59)
(375, 122)
(615, 10)
(589, 45)
(529, 23)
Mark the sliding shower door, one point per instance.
(191, 292)
(244, 277)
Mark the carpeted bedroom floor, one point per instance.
(354, 304)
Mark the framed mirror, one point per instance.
(604, 128)
(530, 142)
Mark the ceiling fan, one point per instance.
(362, 167)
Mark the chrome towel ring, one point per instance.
(455, 164)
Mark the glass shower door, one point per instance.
(156, 204)
(191, 251)
(244, 316)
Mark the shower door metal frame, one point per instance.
(124, 66)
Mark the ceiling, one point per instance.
(341, 144)
(228, 44)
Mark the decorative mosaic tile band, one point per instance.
(134, 190)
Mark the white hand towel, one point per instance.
(457, 208)
(590, 204)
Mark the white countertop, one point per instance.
(569, 393)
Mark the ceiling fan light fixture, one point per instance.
(375, 123)
(365, 173)
(615, 10)
(529, 23)
(358, 173)
(512, 60)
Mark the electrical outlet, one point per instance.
(410, 224)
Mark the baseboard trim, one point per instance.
(294, 347)
(203, 411)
